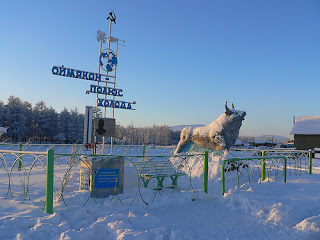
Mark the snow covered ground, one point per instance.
(267, 210)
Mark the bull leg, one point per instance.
(185, 138)
(181, 144)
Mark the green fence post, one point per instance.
(285, 170)
(20, 162)
(205, 172)
(94, 149)
(310, 161)
(49, 188)
(263, 167)
(143, 150)
(222, 176)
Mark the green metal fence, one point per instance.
(106, 149)
(19, 167)
(298, 161)
(253, 169)
(29, 171)
(176, 169)
(58, 169)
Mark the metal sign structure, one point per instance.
(73, 73)
(87, 130)
(108, 61)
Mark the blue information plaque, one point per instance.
(107, 178)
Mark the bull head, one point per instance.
(228, 111)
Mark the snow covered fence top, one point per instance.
(307, 125)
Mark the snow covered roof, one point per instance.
(238, 142)
(307, 125)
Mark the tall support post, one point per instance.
(310, 161)
(205, 172)
(114, 86)
(87, 131)
(263, 167)
(20, 162)
(107, 72)
(49, 187)
(115, 76)
(95, 137)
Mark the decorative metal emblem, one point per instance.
(112, 17)
(101, 36)
(108, 60)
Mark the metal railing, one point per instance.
(252, 169)
(25, 169)
(107, 149)
(158, 164)
(30, 173)
(298, 161)
(18, 166)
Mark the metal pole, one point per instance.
(115, 77)
(310, 161)
(49, 188)
(20, 162)
(94, 150)
(285, 170)
(205, 172)
(143, 150)
(114, 86)
(263, 167)
(223, 178)
(95, 138)
(105, 97)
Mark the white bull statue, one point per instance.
(219, 135)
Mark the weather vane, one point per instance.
(101, 36)
(112, 17)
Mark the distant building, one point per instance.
(238, 143)
(306, 132)
(262, 144)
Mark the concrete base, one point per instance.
(102, 176)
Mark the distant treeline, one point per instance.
(39, 123)
(157, 135)
(42, 124)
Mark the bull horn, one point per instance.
(232, 106)
(227, 109)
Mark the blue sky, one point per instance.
(183, 61)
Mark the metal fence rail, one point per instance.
(253, 169)
(298, 161)
(30, 173)
(58, 148)
(157, 167)
(106, 149)
(152, 170)
(19, 166)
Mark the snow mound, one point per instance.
(309, 224)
